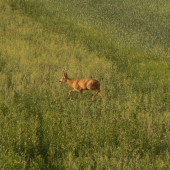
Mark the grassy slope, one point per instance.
(132, 23)
(40, 128)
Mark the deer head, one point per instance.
(64, 78)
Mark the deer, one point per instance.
(81, 84)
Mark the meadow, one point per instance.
(124, 45)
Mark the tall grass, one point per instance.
(41, 129)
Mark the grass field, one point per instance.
(124, 45)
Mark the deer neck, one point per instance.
(70, 82)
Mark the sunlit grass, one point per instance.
(41, 129)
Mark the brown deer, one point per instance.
(82, 84)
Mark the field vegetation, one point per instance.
(124, 45)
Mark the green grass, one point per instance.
(40, 128)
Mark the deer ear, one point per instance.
(66, 75)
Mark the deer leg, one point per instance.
(101, 94)
(74, 90)
(80, 93)
(95, 95)
(98, 92)
(70, 92)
